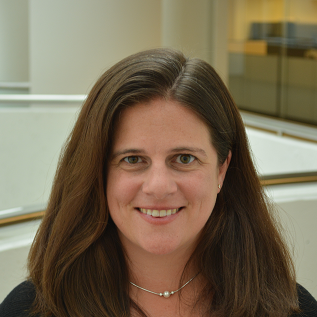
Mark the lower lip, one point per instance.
(159, 220)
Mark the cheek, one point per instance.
(121, 189)
(201, 194)
(200, 188)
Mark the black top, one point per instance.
(19, 301)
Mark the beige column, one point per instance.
(199, 29)
(14, 52)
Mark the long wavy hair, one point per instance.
(77, 263)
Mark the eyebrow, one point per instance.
(189, 149)
(127, 151)
(174, 150)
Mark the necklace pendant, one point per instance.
(166, 294)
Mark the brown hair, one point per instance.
(76, 261)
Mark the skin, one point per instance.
(162, 159)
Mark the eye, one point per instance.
(185, 158)
(132, 159)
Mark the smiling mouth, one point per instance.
(159, 213)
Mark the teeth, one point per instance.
(159, 213)
(162, 213)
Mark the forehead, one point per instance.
(160, 120)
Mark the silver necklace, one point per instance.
(166, 294)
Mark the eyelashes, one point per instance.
(183, 159)
(132, 159)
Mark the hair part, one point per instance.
(77, 251)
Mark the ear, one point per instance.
(223, 170)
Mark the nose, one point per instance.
(159, 182)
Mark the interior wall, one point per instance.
(244, 12)
(299, 220)
(265, 10)
(30, 141)
(199, 29)
(72, 42)
(302, 11)
(63, 47)
(237, 28)
(186, 26)
(14, 52)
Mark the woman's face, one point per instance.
(163, 177)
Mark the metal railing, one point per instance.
(294, 178)
(18, 214)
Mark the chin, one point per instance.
(168, 247)
(160, 248)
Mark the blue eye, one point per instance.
(185, 158)
(132, 159)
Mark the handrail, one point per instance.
(26, 99)
(12, 215)
(292, 178)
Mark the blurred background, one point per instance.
(52, 52)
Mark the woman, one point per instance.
(156, 208)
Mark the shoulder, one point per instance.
(307, 303)
(19, 301)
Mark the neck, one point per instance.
(158, 272)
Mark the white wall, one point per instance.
(62, 47)
(299, 219)
(186, 25)
(275, 154)
(14, 54)
(30, 143)
(73, 41)
(15, 241)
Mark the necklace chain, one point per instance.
(166, 294)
